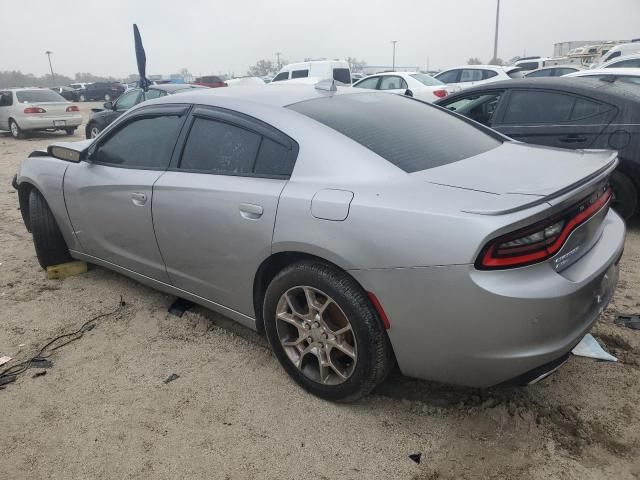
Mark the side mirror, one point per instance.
(64, 153)
(108, 105)
(408, 93)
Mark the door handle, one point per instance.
(573, 139)
(138, 198)
(251, 211)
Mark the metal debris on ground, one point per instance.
(4, 359)
(629, 321)
(171, 378)
(416, 456)
(39, 374)
(590, 348)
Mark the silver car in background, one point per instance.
(356, 228)
(29, 109)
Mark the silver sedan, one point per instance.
(356, 229)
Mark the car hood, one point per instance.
(518, 175)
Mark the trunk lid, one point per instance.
(519, 176)
(54, 109)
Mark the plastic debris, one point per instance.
(39, 374)
(4, 359)
(590, 348)
(415, 456)
(171, 378)
(629, 321)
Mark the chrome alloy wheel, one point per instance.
(316, 335)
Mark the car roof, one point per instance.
(591, 87)
(172, 87)
(272, 94)
(635, 72)
(484, 67)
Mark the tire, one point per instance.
(625, 195)
(51, 249)
(366, 341)
(82, 98)
(107, 97)
(92, 130)
(16, 131)
(70, 131)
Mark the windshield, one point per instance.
(410, 134)
(37, 96)
(426, 79)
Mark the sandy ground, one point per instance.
(103, 411)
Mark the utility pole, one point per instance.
(393, 68)
(427, 64)
(495, 41)
(53, 77)
(278, 59)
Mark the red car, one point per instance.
(211, 81)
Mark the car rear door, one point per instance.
(6, 101)
(552, 118)
(393, 84)
(109, 197)
(214, 211)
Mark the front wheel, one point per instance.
(82, 98)
(325, 332)
(625, 195)
(107, 97)
(16, 131)
(51, 249)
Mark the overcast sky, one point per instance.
(228, 36)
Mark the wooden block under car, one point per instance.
(65, 270)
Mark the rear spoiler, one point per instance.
(558, 197)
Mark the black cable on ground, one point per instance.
(10, 374)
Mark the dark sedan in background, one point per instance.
(106, 91)
(67, 93)
(574, 113)
(112, 110)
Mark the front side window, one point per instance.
(281, 76)
(370, 83)
(392, 83)
(450, 76)
(411, 135)
(6, 99)
(477, 107)
(300, 74)
(540, 73)
(218, 147)
(633, 63)
(538, 107)
(342, 75)
(128, 100)
(145, 143)
(471, 75)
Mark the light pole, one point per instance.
(53, 77)
(495, 40)
(278, 59)
(394, 55)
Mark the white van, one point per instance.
(620, 51)
(322, 69)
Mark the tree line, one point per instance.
(15, 78)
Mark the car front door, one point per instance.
(214, 211)
(109, 197)
(6, 101)
(555, 119)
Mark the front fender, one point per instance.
(46, 174)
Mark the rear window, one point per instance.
(37, 96)
(410, 134)
(342, 75)
(426, 79)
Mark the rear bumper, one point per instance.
(40, 123)
(459, 325)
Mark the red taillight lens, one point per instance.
(440, 93)
(540, 241)
(34, 110)
(73, 108)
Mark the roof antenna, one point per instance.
(328, 85)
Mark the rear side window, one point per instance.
(471, 75)
(281, 76)
(409, 134)
(300, 74)
(529, 65)
(273, 159)
(392, 83)
(342, 75)
(219, 147)
(146, 143)
(584, 108)
(540, 73)
(6, 99)
(538, 107)
(633, 63)
(448, 77)
(488, 74)
(37, 96)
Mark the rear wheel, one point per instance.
(82, 98)
(107, 97)
(16, 131)
(51, 249)
(325, 332)
(70, 131)
(625, 194)
(93, 130)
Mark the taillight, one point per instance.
(73, 108)
(440, 93)
(542, 240)
(34, 110)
